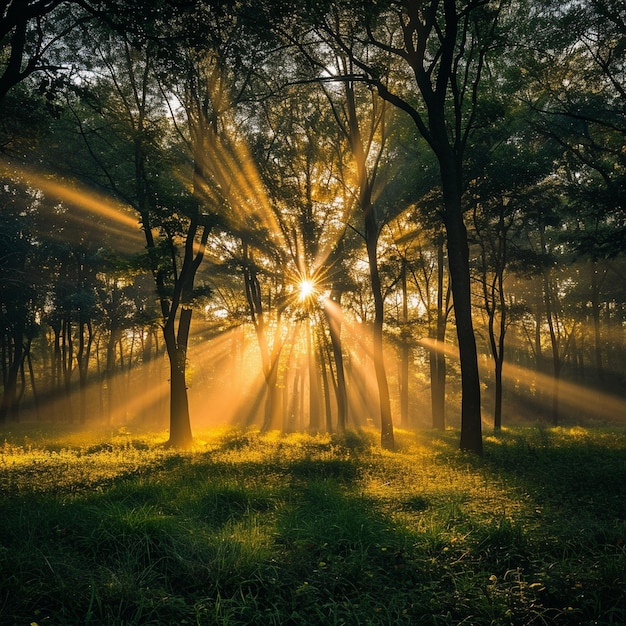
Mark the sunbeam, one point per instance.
(593, 401)
(118, 219)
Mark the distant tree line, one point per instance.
(448, 175)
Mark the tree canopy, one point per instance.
(318, 215)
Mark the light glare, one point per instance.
(306, 289)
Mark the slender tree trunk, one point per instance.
(269, 358)
(404, 351)
(386, 422)
(438, 356)
(82, 358)
(595, 311)
(365, 180)
(497, 348)
(33, 385)
(67, 354)
(556, 357)
(334, 318)
(56, 357)
(495, 304)
(290, 391)
(111, 379)
(554, 339)
(314, 386)
(294, 406)
(500, 360)
(325, 384)
(9, 405)
(271, 398)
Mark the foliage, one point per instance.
(299, 529)
(141, 127)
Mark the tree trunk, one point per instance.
(499, 362)
(334, 317)
(180, 424)
(495, 302)
(111, 379)
(458, 260)
(31, 374)
(386, 422)
(314, 387)
(271, 398)
(67, 353)
(326, 383)
(554, 339)
(404, 351)
(9, 405)
(595, 311)
(497, 409)
(438, 356)
(82, 357)
(269, 358)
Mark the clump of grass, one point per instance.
(297, 529)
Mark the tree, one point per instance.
(442, 48)
(132, 156)
(299, 152)
(509, 161)
(19, 293)
(365, 130)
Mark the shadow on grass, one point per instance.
(290, 531)
(217, 539)
(570, 530)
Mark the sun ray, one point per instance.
(572, 395)
(117, 216)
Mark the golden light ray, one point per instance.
(231, 165)
(362, 387)
(76, 194)
(142, 402)
(223, 376)
(113, 402)
(233, 169)
(575, 396)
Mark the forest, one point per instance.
(313, 216)
(313, 312)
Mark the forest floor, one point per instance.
(298, 529)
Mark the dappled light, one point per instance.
(280, 520)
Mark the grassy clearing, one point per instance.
(297, 529)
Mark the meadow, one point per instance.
(250, 528)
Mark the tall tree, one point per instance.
(442, 46)
(133, 156)
(366, 131)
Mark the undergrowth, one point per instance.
(300, 529)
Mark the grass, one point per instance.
(298, 529)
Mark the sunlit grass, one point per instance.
(246, 528)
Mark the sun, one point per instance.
(306, 289)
